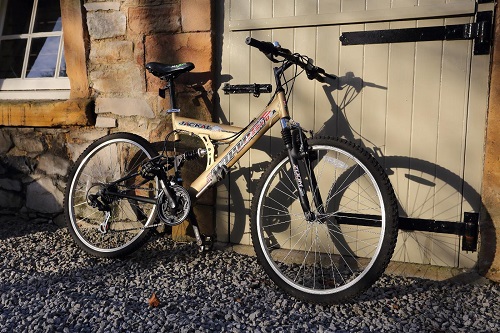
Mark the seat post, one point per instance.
(171, 88)
(173, 105)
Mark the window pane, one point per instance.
(17, 17)
(43, 57)
(62, 70)
(48, 16)
(11, 58)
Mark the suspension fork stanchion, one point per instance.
(318, 201)
(294, 156)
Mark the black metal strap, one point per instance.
(479, 31)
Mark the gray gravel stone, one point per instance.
(48, 284)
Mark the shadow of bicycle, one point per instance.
(436, 192)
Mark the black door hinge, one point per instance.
(480, 32)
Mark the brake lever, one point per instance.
(321, 71)
(271, 57)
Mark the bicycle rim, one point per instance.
(104, 163)
(345, 248)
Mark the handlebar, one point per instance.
(271, 51)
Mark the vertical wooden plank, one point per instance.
(304, 43)
(306, 7)
(374, 85)
(350, 72)
(260, 70)
(262, 9)
(399, 111)
(327, 56)
(239, 115)
(239, 10)
(222, 208)
(424, 120)
(329, 6)
(349, 102)
(474, 149)
(285, 37)
(425, 117)
(283, 8)
(451, 143)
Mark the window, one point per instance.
(31, 50)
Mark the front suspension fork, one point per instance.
(298, 151)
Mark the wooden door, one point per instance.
(420, 107)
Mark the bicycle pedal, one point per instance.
(207, 243)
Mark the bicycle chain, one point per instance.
(143, 228)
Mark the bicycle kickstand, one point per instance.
(205, 243)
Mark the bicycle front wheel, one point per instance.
(348, 243)
(119, 229)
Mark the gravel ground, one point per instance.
(48, 285)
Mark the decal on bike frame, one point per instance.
(254, 130)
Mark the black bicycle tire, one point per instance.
(388, 243)
(144, 234)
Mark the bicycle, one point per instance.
(324, 218)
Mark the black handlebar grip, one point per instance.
(251, 42)
(265, 47)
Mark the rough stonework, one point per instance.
(155, 19)
(112, 93)
(106, 24)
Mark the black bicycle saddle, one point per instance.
(163, 71)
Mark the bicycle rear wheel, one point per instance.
(348, 244)
(119, 230)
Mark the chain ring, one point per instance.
(165, 212)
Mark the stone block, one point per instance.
(104, 5)
(121, 78)
(124, 107)
(59, 220)
(5, 142)
(11, 185)
(75, 150)
(106, 24)
(28, 143)
(194, 47)
(139, 53)
(18, 164)
(155, 19)
(107, 51)
(160, 130)
(196, 15)
(10, 200)
(86, 135)
(147, 2)
(105, 122)
(42, 196)
(135, 125)
(53, 165)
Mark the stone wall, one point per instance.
(34, 163)
(122, 37)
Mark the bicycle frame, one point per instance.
(274, 111)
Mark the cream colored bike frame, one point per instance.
(207, 131)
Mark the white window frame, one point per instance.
(33, 88)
